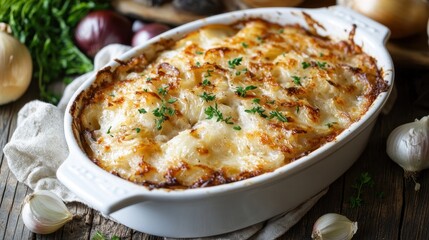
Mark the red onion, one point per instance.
(147, 32)
(101, 28)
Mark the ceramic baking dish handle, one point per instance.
(375, 29)
(99, 193)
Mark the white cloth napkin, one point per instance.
(38, 147)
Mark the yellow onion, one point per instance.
(403, 17)
(16, 66)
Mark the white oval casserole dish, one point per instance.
(224, 208)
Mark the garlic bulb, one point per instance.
(16, 66)
(332, 226)
(403, 17)
(408, 146)
(44, 212)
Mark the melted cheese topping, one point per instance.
(224, 103)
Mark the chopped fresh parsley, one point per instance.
(212, 112)
(322, 65)
(260, 39)
(108, 130)
(206, 82)
(271, 102)
(235, 62)
(208, 73)
(199, 52)
(138, 130)
(148, 79)
(257, 109)
(198, 64)
(296, 80)
(256, 100)
(207, 97)
(243, 91)
(330, 124)
(163, 90)
(305, 65)
(172, 100)
(238, 128)
(142, 110)
(297, 109)
(161, 113)
(281, 30)
(245, 45)
(278, 115)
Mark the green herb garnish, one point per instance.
(305, 65)
(208, 73)
(330, 124)
(256, 100)
(364, 180)
(206, 82)
(163, 90)
(199, 52)
(238, 128)
(258, 110)
(243, 91)
(235, 62)
(172, 100)
(138, 130)
(296, 80)
(322, 65)
(207, 97)
(108, 130)
(198, 64)
(278, 115)
(142, 110)
(161, 113)
(212, 112)
(245, 45)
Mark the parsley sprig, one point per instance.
(278, 115)
(364, 180)
(258, 109)
(161, 114)
(242, 92)
(207, 97)
(305, 65)
(163, 90)
(212, 112)
(235, 62)
(296, 80)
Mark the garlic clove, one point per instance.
(332, 226)
(44, 212)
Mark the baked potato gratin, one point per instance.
(224, 103)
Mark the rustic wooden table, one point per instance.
(391, 208)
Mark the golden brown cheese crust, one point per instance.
(224, 103)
